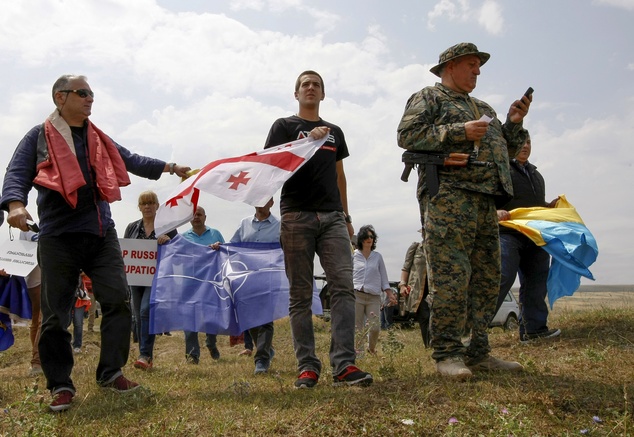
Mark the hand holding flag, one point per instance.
(560, 232)
(225, 291)
(252, 178)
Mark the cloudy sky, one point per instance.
(192, 81)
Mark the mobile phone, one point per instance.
(529, 91)
(32, 226)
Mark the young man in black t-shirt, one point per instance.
(314, 219)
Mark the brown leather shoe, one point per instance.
(490, 363)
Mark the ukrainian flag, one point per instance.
(560, 232)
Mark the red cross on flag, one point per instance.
(252, 178)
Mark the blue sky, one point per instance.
(195, 81)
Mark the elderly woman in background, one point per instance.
(370, 278)
(144, 229)
(414, 288)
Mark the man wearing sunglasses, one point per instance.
(78, 172)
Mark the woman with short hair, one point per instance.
(144, 229)
(370, 278)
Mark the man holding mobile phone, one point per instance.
(461, 237)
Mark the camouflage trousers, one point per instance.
(463, 258)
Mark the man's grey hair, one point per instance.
(63, 81)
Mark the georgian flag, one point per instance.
(252, 178)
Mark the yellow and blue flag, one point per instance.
(560, 232)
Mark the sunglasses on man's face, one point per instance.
(83, 93)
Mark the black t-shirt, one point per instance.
(314, 186)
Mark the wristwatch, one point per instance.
(347, 218)
(172, 165)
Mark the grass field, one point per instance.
(580, 383)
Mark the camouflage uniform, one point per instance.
(416, 267)
(418, 301)
(462, 241)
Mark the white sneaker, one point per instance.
(77, 350)
(453, 367)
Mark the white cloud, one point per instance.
(450, 9)
(175, 53)
(592, 171)
(623, 4)
(321, 19)
(91, 31)
(238, 5)
(488, 16)
(195, 87)
(280, 5)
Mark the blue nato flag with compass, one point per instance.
(225, 291)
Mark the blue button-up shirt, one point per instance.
(252, 230)
(210, 236)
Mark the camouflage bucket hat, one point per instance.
(453, 52)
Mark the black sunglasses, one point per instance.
(83, 93)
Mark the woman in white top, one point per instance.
(370, 278)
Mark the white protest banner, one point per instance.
(139, 257)
(18, 257)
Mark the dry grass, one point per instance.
(582, 381)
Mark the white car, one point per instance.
(506, 317)
(508, 314)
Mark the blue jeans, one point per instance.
(60, 258)
(521, 255)
(192, 346)
(78, 326)
(302, 235)
(263, 338)
(387, 316)
(141, 308)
